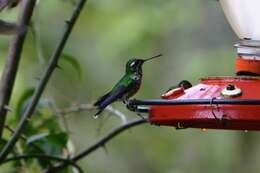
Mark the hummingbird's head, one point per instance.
(135, 65)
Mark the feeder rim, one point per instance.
(230, 77)
(162, 102)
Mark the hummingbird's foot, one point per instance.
(140, 115)
(126, 101)
(131, 107)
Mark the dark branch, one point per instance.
(90, 107)
(14, 56)
(99, 143)
(23, 137)
(108, 137)
(43, 81)
(44, 157)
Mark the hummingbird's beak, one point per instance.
(156, 56)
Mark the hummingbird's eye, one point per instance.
(132, 64)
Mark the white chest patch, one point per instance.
(135, 77)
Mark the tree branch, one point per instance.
(76, 108)
(14, 56)
(23, 137)
(91, 107)
(117, 113)
(99, 143)
(43, 81)
(45, 157)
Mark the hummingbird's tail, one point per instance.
(98, 113)
(100, 105)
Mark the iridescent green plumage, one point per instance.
(127, 86)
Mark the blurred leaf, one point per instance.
(41, 108)
(73, 62)
(36, 137)
(52, 144)
(67, 170)
(23, 101)
(2, 143)
(51, 125)
(59, 139)
(20, 109)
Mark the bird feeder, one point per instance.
(219, 102)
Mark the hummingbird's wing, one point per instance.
(110, 98)
(119, 90)
(118, 94)
(114, 90)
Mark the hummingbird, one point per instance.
(126, 87)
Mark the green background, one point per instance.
(196, 41)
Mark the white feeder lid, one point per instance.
(244, 17)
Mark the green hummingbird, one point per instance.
(127, 86)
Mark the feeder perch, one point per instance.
(231, 103)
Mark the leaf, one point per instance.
(23, 101)
(36, 137)
(42, 120)
(67, 170)
(59, 139)
(51, 124)
(73, 62)
(2, 143)
(52, 144)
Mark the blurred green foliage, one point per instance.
(196, 42)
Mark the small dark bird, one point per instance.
(184, 84)
(127, 86)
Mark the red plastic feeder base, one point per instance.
(212, 116)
